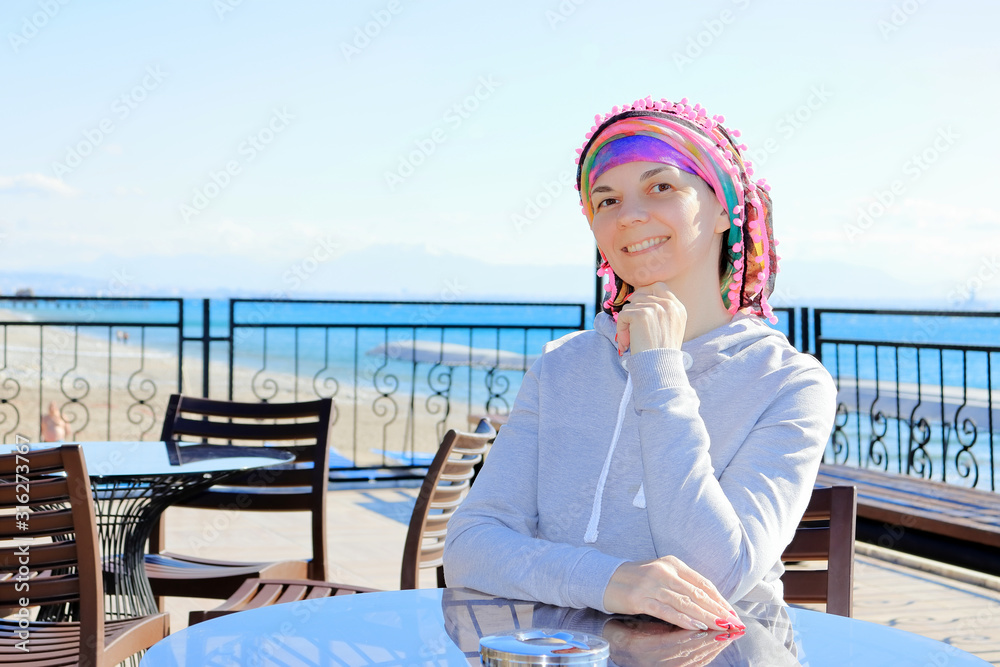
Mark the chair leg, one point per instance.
(157, 544)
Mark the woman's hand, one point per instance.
(666, 588)
(652, 318)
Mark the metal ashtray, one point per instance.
(543, 647)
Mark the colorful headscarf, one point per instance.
(686, 137)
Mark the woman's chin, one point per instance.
(647, 282)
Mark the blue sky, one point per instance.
(207, 146)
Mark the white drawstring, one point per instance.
(595, 514)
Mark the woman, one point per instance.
(660, 463)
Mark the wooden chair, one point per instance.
(825, 533)
(299, 486)
(59, 567)
(446, 485)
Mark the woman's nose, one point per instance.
(631, 213)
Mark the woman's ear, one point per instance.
(722, 221)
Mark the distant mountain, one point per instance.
(389, 271)
(411, 272)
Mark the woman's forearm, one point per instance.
(736, 525)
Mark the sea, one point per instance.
(335, 333)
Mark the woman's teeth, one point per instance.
(648, 243)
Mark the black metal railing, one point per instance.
(105, 366)
(400, 374)
(916, 389)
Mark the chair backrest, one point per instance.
(48, 539)
(826, 533)
(297, 486)
(495, 421)
(445, 487)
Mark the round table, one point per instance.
(133, 483)
(443, 627)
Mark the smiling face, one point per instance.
(656, 223)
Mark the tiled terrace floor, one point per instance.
(367, 529)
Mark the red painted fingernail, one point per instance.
(722, 623)
(616, 338)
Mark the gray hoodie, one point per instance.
(708, 453)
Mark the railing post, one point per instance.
(180, 355)
(791, 325)
(232, 345)
(817, 335)
(806, 343)
(206, 331)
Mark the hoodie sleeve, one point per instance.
(491, 544)
(736, 526)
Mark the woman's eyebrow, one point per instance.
(600, 188)
(651, 173)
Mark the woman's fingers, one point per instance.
(623, 336)
(651, 318)
(703, 612)
(704, 593)
(657, 588)
(679, 610)
(647, 588)
(646, 325)
(656, 289)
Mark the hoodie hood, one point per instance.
(709, 349)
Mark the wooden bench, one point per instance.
(944, 522)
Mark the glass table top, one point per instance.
(111, 460)
(443, 627)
